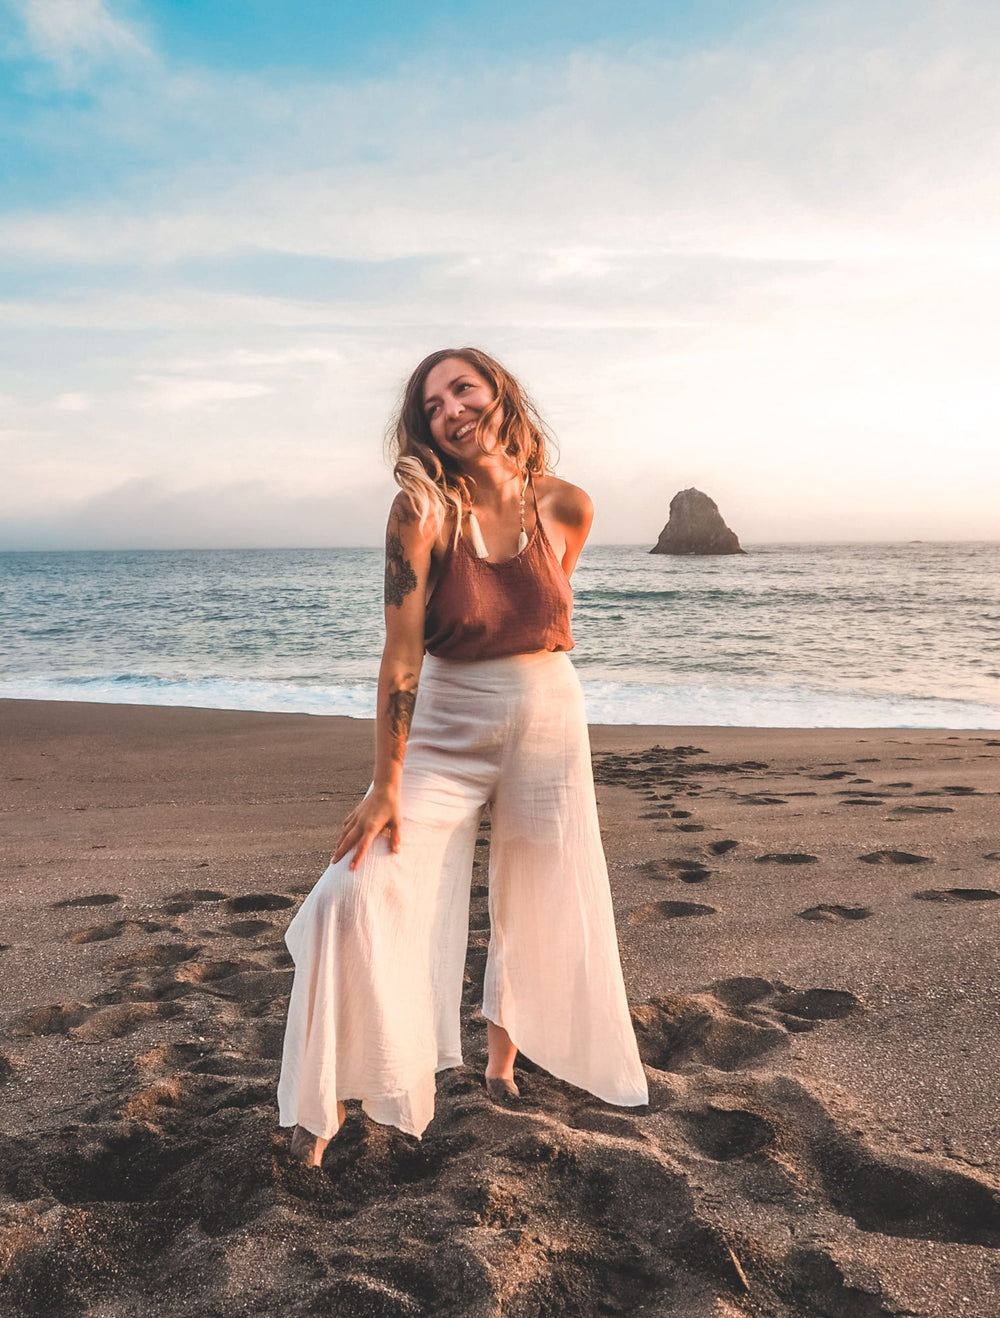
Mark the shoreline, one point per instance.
(649, 727)
(808, 923)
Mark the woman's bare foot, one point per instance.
(500, 1089)
(309, 1148)
(500, 1084)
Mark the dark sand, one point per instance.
(817, 1006)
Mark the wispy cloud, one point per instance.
(171, 394)
(77, 35)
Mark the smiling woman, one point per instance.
(478, 707)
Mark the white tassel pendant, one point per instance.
(476, 536)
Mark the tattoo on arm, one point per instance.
(401, 703)
(400, 578)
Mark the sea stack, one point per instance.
(695, 526)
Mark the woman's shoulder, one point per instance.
(567, 504)
(406, 520)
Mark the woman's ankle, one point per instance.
(309, 1148)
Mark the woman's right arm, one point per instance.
(407, 568)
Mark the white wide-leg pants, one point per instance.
(380, 951)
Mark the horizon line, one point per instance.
(600, 544)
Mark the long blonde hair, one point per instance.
(434, 481)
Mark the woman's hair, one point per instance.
(434, 481)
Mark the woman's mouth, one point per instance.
(467, 429)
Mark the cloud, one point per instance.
(77, 35)
(73, 402)
(165, 394)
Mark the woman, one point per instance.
(479, 547)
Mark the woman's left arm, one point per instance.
(574, 512)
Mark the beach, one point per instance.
(808, 922)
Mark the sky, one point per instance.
(753, 248)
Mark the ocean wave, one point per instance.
(620, 703)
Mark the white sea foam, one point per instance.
(607, 702)
(787, 636)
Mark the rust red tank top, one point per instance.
(484, 610)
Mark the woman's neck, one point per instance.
(496, 486)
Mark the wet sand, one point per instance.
(809, 928)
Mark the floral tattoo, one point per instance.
(401, 703)
(400, 578)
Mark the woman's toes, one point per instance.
(501, 1090)
(307, 1147)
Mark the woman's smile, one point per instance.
(455, 398)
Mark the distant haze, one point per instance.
(754, 249)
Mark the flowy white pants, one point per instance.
(380, 951)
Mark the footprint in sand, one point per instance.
(895, 858)
(815, 1004)
(923, 810)
(733, 1024)
(116, 1021)
(198, 895)
(652, 912)
(58, 1018)
(239, 981)
(725, 1133)
(957, 895)
(100, 933)
(95, 899)
(787, 858)
(991, 855)
(834, 914)
(260, 901)
(721, 847)
(248, 928)
(159, 955)
(688, 871)
(87, 1023)
(863, 800)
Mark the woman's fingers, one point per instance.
(392, 828)
(358, 834)
(368, 836)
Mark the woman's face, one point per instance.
(455, 396)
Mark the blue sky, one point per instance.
(749, 247)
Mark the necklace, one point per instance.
(476, 535)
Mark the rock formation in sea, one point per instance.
(696, 526)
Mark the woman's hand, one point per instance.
(377, 813)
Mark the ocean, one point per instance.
(850, 635)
